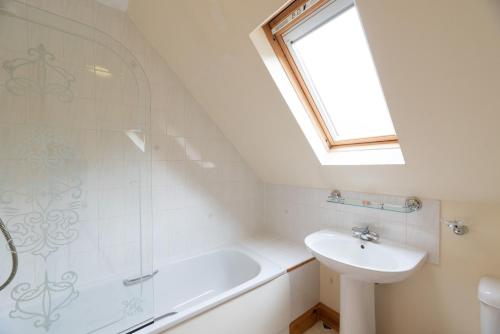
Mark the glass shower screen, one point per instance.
(75, 176)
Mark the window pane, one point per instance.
(337, 65)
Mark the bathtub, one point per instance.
(186, 288)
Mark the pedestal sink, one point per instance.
(361, 264)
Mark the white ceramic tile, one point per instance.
(109, 20)
(110, 145)
(133, 38)
(175, 112)
(83, 113)
(111, 173)
(175, 148)
(159, 122)
(80, 10)
(13, 34)
(175, 173)
(159, 144)
(89, 211)
(52, 40)
(197, 123)
(78, 51)
(14, 108)
(84, 85)
(196, 149)
(109, 111)
(294, 212)
(160, 173)
(111, 202)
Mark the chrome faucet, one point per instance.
(364, 233)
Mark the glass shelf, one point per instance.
(412, 204)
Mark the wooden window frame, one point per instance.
(292, 70)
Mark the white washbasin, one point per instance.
(360, 265)
(381, 262)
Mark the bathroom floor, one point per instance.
(319, 329)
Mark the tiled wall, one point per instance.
(294, 212)
(203, 194)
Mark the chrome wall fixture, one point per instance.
(13, 253)
(140, 279)
(412, 204)
(457, 226)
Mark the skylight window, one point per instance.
(322, 46)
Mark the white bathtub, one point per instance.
(186, 288)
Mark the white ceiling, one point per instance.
(439, 64)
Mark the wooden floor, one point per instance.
(319, 329)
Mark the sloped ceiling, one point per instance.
(439, 63)
(117, 4)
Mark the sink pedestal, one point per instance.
(360, 264)
(357, 306)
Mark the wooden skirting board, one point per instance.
(308, 319)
